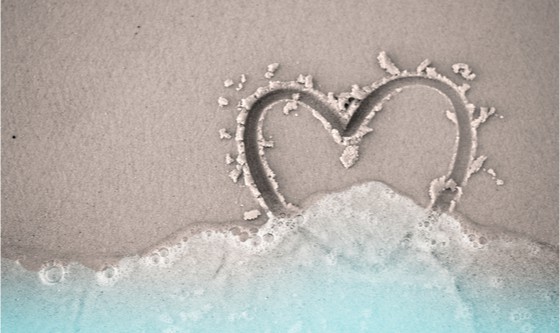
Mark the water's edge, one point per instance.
(366, 258)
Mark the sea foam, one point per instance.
(362, 260)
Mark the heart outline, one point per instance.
(348, 127)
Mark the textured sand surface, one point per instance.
(110, 115)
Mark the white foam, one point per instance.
(366, 222)
(365, 241)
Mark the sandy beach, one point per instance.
(110, 115)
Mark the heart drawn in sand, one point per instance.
(347, 117)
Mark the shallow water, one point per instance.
(363, 260)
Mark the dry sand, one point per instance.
(111, 121)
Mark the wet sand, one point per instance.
(111, 120)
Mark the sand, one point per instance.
(111, 121)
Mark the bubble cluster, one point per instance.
(406, 241)
(475, 240)
(163, 255)
(519, 315)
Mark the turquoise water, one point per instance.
(363, 260)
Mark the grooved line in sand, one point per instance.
(348, 125)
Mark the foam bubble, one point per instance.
(109, 272)
(256, 240)
(243, 236)
(52, 273)
(108, 276)
(155, 259)
(164, 252)
(268, 237)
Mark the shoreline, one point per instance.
(392, 248)
(245, 230)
